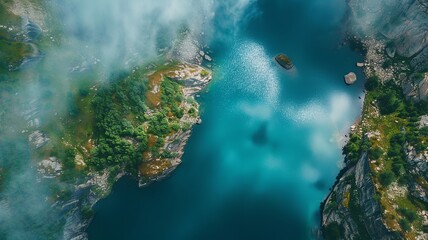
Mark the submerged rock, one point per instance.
(208, 58)
(350, 78)
(284, 61)
(260, 136)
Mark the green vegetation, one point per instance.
(128, 132)
(204, 73)
(333, 231)
(388, 102)
(386, 178)
(284, 61)
(389, 122)
(408, 214)
(171, 97)
(372, 83)
(405, 224)
(113, 126)
(120, 138)
(13, 49)
(13, 53)
(352, 149)
(375, 153)
(87, 212)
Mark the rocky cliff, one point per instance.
(353, 205)
(382, 192)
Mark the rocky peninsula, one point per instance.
(155, 135)
(133, 123)
(164, 146)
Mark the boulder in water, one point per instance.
(284, 61)
(350, 78)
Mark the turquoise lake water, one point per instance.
(270, 144)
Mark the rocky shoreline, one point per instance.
(358, 206)
(194, 79)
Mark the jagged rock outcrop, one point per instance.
(369, 205)
(334, 211)
(352, 204)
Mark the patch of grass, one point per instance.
(405, 224)
(346, 199)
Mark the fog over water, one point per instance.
(270, 143)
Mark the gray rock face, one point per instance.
(423, 88)
(350, 78)
(335, 212)
(369, 205)
(38, 139)
(419, 192)
(419, 62)
(360, 178)
(403, 23)
(417, 161)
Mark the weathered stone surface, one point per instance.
(403, 24)
(50, 168)
(424, 121)
(350, 78)
(335, 212)
(370, 207)
(423, 88)
(38, 139)
(419, 62)
(418, 192)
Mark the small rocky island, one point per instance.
(284, 61)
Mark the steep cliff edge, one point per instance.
(352, 210)
(382, 192)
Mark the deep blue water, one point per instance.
(270, 144)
